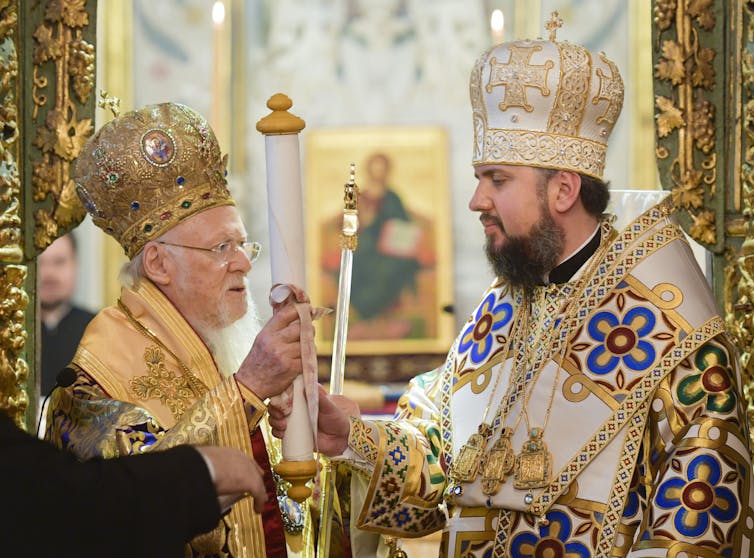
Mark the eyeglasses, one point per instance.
(226, 250)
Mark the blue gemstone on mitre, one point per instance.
(180, 180)
(147, 228)
(135, 205)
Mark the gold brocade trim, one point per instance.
(101, 374)
(199, 358)
(233, 432)
(251, 401)
(575, 71)
(543, 149)
(623, 475)
(361, 442)
(173, 390)
(167, 216)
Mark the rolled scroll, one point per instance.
(286, 225)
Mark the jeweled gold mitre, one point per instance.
(147, 170)
(544, 104)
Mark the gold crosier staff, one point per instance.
(348, 240)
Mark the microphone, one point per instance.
(65, 378)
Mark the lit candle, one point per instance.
(218, 19)
(497, 25)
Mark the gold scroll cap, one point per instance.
(280, 121)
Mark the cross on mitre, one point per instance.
(555, 23)
(518, 74)
(109, 103)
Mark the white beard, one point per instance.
(230, 345)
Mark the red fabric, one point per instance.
(274, 535)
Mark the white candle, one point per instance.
(497, 26)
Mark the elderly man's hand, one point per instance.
(275, 358)
(236, 476)
(333, 424)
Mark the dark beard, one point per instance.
(523, 261)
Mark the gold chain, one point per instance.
(567, 311)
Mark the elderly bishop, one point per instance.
(180, 357)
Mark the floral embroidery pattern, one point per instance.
(173, 390)
(478, 335)
(621, 340)
(697, 497)
(715, 381)
(553, 540)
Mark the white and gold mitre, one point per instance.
(544, 103)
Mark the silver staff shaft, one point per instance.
(331, 509)
(337, 368)
(349, 240)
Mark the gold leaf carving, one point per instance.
(670, 116)
(70, 12)
(702, 11)
(10, 182)
(9, 20)
(704, 226)
(685, 117)
(64, 137)
(747, 69)
(702, 125)
(704, 73)
(664, 13)
(46, 228)
(13, 369)
(81, 68)
(48, 47)
(61, 50)
(44, 178)
(670, 67)
(689, 193)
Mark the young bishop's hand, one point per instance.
(334, 423)
(275, 358)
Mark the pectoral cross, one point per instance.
(517, 74)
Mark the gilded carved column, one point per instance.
(704, 112)
(46, 108)
(739, 257)
(13, 297)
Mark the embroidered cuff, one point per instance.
(254, 407)
(362, 451)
